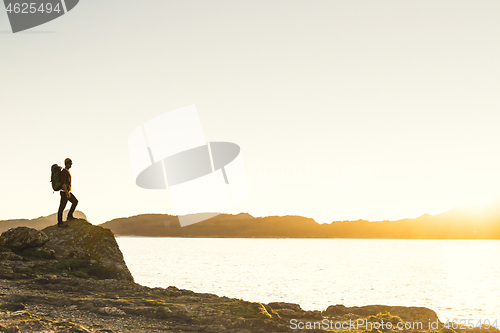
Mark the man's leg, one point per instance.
(74, 202)
(62, 205)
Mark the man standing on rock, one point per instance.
(66, 195)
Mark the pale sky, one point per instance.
(385, 109)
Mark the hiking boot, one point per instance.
(62, 225)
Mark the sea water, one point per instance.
(456, 278)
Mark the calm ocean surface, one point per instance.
(455, 278)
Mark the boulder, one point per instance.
(284, 305)
(336, 310)
(111, 311)
(84, 240)
(23, 237)
(291, 310)
(406, 313)
(285, 309)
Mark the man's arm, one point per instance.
(64, 181)
(65, 188)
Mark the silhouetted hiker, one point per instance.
(66, 194)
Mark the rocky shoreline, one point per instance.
(75, 280)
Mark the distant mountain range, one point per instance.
(459, 223)
(38, 223)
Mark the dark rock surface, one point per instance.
(83, 240)
(23, 237)
(406, 313)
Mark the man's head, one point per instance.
(67, 163)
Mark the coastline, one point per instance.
(75, 280)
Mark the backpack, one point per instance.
(55, 177)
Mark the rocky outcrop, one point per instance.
(83, 240)
(406, 313)
(81, 250)
(23, 237)
(292, 310)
